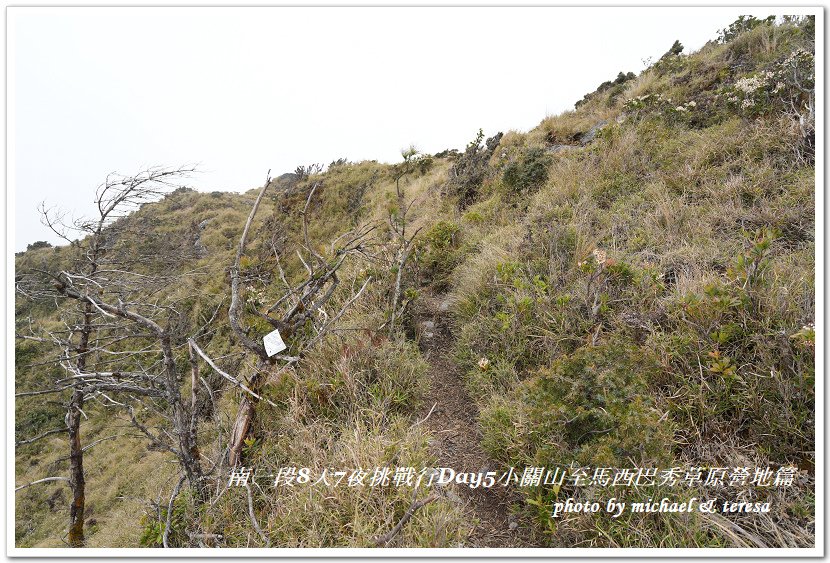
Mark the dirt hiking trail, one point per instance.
(456, 435)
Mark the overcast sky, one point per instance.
(239, 91)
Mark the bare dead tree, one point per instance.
(301, 304)
(154, 381)
(798, 96)
(94, 269)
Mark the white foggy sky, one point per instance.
(239, 91)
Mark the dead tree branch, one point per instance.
(44, 480)
(301, 303)
(226, 375)
(45, 434)
(169, 520)
(384, 540)
(252, 516)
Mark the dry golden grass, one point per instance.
(674, 207)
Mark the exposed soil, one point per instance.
(457, 437)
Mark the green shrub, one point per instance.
(738, 365)
(529, 172)
(471, 169)
(594, 407)
(489, 379)
(154, 524)
(741, 25)
(614, 87)
(439, 253)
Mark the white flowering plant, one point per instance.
(658, 104)
(787, 86)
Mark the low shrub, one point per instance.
(471, 169)
(528, 172)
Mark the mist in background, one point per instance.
(240, 91)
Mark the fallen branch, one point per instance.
(426, 417)
(253, 517)
(201, 536)
(206, 537)
(734, 531)
(383, 540)
(234, 308)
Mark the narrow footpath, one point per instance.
(456, 435)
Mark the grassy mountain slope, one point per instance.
(631, 284)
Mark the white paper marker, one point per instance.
(273, 343)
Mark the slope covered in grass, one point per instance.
(631, 284)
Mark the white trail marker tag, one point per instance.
(273, 343)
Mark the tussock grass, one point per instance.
(646, 298)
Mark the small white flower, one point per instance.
(599, 255)
(749, 85)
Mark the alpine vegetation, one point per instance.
(597, 333)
